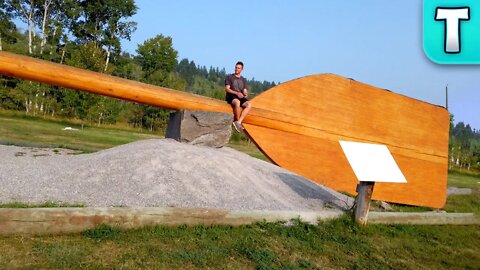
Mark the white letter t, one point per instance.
(452, 17)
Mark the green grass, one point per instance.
(249, 149)
(23, 130)
(464, 203)
(48, 204)
(455, 203)
(338, 244)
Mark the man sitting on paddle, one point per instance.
(236, 88)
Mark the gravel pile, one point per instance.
(158, 173)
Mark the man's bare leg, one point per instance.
(237, 110)
(246, 109)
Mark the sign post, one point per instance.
(362, 202)
(371, 163)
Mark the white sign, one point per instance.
(372, 162)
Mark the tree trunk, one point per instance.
(100, 116)
(35, 107)
(53, 35)
(63, 54)
(29, 18)
(30, 24)
(29, 37)
(34, 36)
(44, 23)
(42, 107)
(151, 123)
(108, 58)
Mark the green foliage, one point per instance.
(12, 99)
(126, 67)
(157, 54)
(47, 204)
(464, 147)
(166, 79)
(7, 27)
(87, 56)
(211, 82)
(102, 22)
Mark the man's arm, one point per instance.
(245, 90)
(230, 91)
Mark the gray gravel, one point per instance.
(158, 172)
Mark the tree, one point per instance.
(157, 54)
(25, 10)
(117, 29)
(102, 23)
(56, 18)
(7, 27)
(45, 15)
(187, 70)
(127, 68)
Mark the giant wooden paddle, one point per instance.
(298, 124)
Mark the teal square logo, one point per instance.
(451, 31)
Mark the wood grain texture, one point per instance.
(336, 108)
(298, 124)
(75, 220)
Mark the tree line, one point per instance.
(464, 147)
(88, 34)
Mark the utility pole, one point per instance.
(446, 96)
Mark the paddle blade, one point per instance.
(331, 108)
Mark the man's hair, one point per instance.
(239, 63)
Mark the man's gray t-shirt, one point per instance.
(236, 84)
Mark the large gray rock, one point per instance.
(200, 127)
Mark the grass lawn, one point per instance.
(23, 130)
(248, 148)
(337, 244)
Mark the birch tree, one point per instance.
(104, 23)
(25, 10)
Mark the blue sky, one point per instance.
(375, 42)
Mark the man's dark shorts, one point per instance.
(229, 98)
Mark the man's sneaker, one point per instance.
(238, 126)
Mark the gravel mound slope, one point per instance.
(159, 172)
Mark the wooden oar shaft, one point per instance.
(74, 78)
